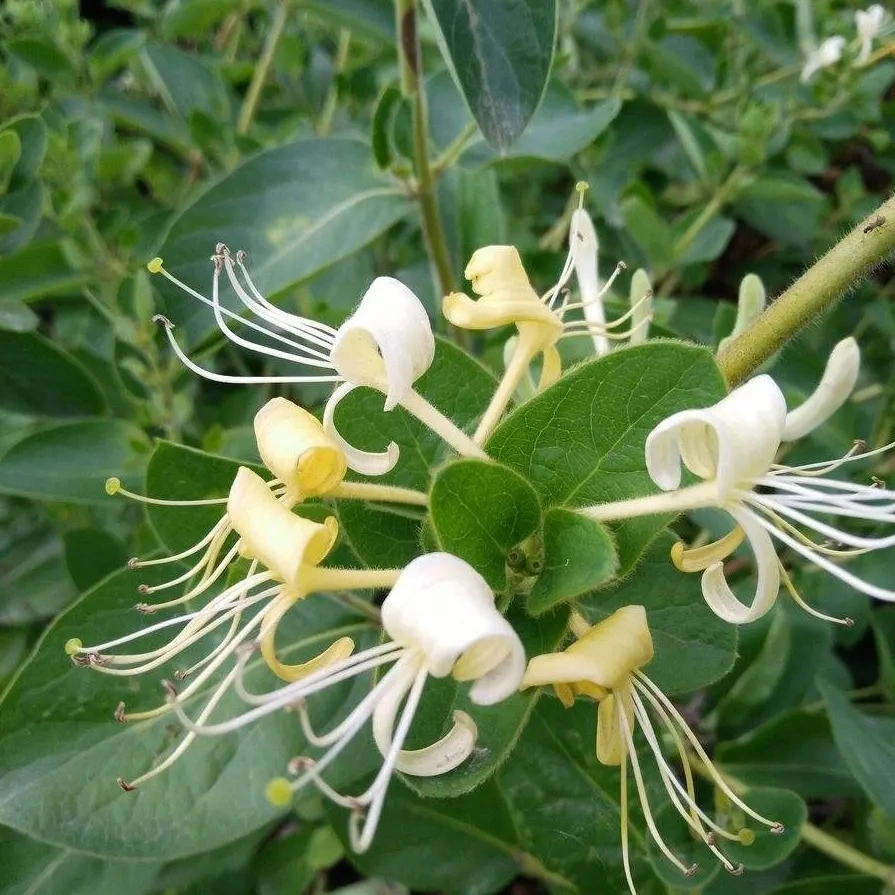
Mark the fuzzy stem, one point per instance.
(820, 287)
(690, 498)
(327, 579)
(409, 66)
(259, 76)
(382, 493)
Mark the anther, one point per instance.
(124, 785)
(300, 763)
(119, 713)
(145, 608)
(859, 446)
(221, 249)
(736, 869)
(691, 870)
(241, 256)
(709, 838)
(133, 562)
(777, 828)
(218, 263)
(155, 265)
(73, 646)
(97, 660)
(144, 589)
(848, 622)
(113, 485)
(163, 320)
(181, 673)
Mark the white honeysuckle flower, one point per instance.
(823, 56)
(386, 344)
(604, 664)
(289, 547)
(869, 23)
(441, 620)
(751, 301)
(732, 447)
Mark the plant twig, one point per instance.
(259, 76)
(818, 289)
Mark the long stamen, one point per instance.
(623, 813)
(114, 486)
(220, 377)
(621, 266)
(309, 356)
(137, 563)
(641, 791)
(793, 592)
(774, 826)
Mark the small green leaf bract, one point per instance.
(578, 556)
(479, 510)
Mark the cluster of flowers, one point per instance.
(870, 23)
(439, 616)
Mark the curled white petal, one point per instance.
(447, 753)
(731, 441)
(827, 54)
(721, 599)
(366, 462)
(442, 607)
(869, 23)
(836, 384)
(387, 343)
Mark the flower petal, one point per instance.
(366, 462)
(387, 343)
(272, 534)
(295, 447)
(442, 607)
(833, 390)
(721, 599)
(733, 441)
(447, 753)
(584, 246)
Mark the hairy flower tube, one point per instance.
(732, 447)
(506, 296)
(386, 344)
(441, 620)
(290, 550)
(605, 664)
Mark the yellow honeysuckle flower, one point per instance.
(605, 664)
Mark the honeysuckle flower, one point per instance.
(869, 23)
(605, 664)
(290, 550)
(441, 620)
(506, 297)
(386, 344)
(827, 54)
(732, 447)
(751, 301)
(641, 300)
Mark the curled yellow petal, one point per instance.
(697, 559)
(283, 542)
(610, 742)
(296, 448)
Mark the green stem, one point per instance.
(714, 205)
(454, 149)
(259, 76)
(637, 32)
(409, 65)
(818, 289)
(325, 121)
(845, 853)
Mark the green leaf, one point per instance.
(653, 235)
(693, 646)
(782, 206)
(90, 555)
(32, 134)
(37, 271)
(295, 209)
(42, 55)
(460, 387)
(867, 745)
(72, 461)
(185, 82)
(709, 242)
(186, 18)
(17, 317)
(381, 125)
(466, 844)
(59, 743)
(480, 510)
(113, 49)
(25, 204)
(768, 849)
(499, 53)
(843, 884)
(795, 750)
(566, 805)
(36, 868)
(13, 649)
(10, 152)
(33, 578)
(578, 556)
(499, 726)
(39, 379)
(581, 441)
